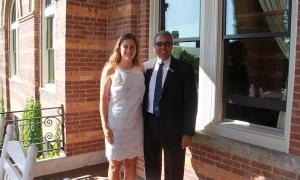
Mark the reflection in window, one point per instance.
(48, 2)
(256, 61)
(187, 51)
(256, 16)
(183, 17)
(256, 78)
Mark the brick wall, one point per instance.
(92, 29)
(221, 158)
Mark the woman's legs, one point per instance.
(130, 169)
(114, 170)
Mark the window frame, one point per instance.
(210, 106)
(14, 40)
(48, 65)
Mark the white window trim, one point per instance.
(49, 11)
(210, 85)
(14, 26)
(153, 25)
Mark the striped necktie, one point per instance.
(157, 92)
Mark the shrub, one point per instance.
(31, 131)
(57, 143)
(180, 53)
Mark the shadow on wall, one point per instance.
(193, 157)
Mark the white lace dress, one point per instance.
(125, 114)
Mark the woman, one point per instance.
(121, 95)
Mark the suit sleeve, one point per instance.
(190, 102)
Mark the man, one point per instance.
(170, 106)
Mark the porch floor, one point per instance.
(95, 172)
(98, 172)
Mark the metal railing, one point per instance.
(51, 125)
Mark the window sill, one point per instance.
(15, 78)
(266, 137)
(49, 88)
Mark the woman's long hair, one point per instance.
(116, 57)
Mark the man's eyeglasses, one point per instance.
(163, 43)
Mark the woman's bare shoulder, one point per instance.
(108, 70)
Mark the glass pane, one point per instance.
(183, 18)
(249, 16)
(50, 32)
(51, 66)
(13, 53)
(48, 2)
(261, 63)
(187, 51)
(13, 13)
(255, 79)
(14, 40)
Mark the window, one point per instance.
(247, 68)
(50, 50)
(182, 19)
(256, 61)
(48, 72)
(14, 25)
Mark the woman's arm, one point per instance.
(105, 84)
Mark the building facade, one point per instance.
(245, 54)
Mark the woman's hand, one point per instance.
(108, 135)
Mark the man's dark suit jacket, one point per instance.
(178, 104)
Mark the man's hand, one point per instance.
(186, 141)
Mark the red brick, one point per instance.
(240, 159)
(250, 170)
(238, 171)
(295, 144)
(207, 149)
(213, 157)
(207, 161)
(223, 166)
(231, 163)
(261, 166)
(285, 173)
(295, 128)
(296, 120)
(223, 154)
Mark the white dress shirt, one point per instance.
(153, 80)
